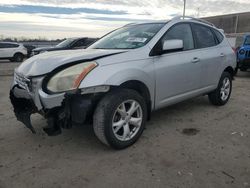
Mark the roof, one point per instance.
(9, 42)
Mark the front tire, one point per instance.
(119, 118)
(221, 95)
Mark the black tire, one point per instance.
(105, 112)
(236, 71)
(243, 69)
(18, 57)
(215, 97)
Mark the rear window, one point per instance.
(203, 36)
(218, 35)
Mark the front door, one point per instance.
(177, 73)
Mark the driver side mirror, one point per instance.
(172, 45)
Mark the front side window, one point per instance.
(182, 32)
(204, 36)
(128, 37)
(80, 43)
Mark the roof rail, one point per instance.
(192, 18)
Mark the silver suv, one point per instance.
(119, 80)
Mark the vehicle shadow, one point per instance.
(8, 61)
(83, 137)
(245, 74)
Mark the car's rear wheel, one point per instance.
(18, 57)
(221, 95)
(119, 118)
(243, 69)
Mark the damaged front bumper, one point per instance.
(61, 110)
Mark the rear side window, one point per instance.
(182, 32)
(203, 36)
(218, 35)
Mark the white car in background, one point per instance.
(12, 51)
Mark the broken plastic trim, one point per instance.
(75, 109)
(23, 108)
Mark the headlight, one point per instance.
(70, 78)
(241, 52)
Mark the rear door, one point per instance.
(212, 54)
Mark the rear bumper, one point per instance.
(61, 111)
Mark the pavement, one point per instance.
(7, 67)
(189, 145)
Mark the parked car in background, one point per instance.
(67, 44)
(119, 80)
(12, 51)
(243, 54)
(29, 49)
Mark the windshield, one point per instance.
(128, 37)
(65, 43)
(247, 41)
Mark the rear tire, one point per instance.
(221, 95)
(236, 71)
(119, 118)
(18, 57)
(243, 69)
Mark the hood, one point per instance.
(47, 49)
(48, 61)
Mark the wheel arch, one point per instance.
(230, 70)
(142, 89)
(17, 53)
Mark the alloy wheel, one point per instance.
(127, 120)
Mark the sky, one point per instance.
(54, 19)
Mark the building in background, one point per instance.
(235, 26)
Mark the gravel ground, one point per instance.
(216, 153)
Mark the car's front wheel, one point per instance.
(221, 95)
(119, 118)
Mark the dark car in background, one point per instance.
(243, 54)
(29, 49)
(67, 44)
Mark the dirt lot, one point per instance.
(7, 67)
(217, 156)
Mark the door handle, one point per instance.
(222, 55)
(195, 60)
